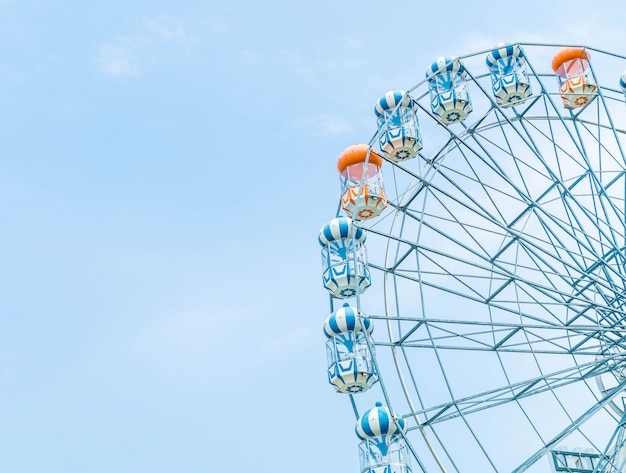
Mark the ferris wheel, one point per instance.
(478, 294)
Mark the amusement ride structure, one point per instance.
(478, 295)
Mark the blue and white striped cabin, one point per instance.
(399, 135)
(509, 77)
(382, 448)
(449, 97)
(351, 366)
(344, 259)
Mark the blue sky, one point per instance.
(164, 170)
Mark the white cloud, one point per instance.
(117, 61)
(326, 125)
(156, 38)
(164, 27)
(215, 25)
(353, 43)
(249, 58)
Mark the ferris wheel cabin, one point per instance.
(449, 97)
(622, 83)
(344, 259)
(576, 83)
(396, 115)
(509, 76)
(351, 366)
(362, 193)
(382, 448)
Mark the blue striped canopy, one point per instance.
(346, 320)
(377, 422)
(340, 228)
(391, 100)
(503, 51)
(444, 64)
